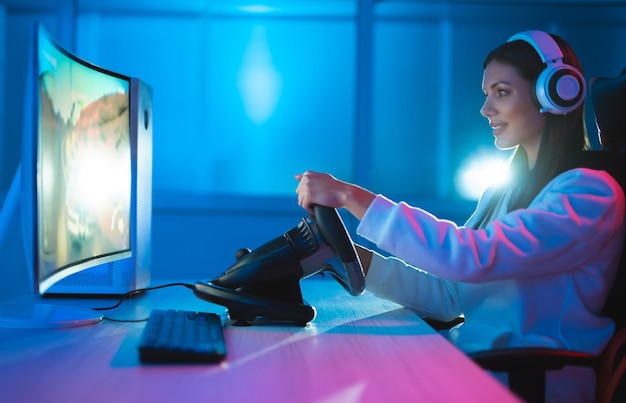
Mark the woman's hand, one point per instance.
(320, 188)
(326, 190)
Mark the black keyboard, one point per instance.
(182, 336)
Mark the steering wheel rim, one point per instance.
(335, 234)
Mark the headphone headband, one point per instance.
(544, 44)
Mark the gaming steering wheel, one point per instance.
(334, 233)
(265, 282)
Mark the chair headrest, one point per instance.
(608, 96)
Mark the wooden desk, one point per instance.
(357, 349)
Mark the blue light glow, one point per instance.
(259, 82)
(258, 9)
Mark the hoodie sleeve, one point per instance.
(392, 279)
(574, 217)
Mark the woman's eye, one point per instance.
(501, 93)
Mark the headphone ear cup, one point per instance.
(560, 89)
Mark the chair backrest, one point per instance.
(608, 96)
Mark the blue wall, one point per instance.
(386, 94)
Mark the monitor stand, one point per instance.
(46, 316)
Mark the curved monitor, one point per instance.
(85, 185)
(86, 175)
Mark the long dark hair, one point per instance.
(563, 138)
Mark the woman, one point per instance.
(534, 263)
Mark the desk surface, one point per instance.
(357, 349)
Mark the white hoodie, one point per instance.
(537, 276)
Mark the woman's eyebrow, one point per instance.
(498, 83)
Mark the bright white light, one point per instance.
(260, 83)
(100, 179)
(477, 173)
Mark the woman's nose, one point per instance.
(486, 109)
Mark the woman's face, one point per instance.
(509, 107)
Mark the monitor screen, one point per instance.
(86, 175)
(83, 162)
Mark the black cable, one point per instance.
(124, 320)
(141, 291)
(134, 293)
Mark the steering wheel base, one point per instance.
(265, 282)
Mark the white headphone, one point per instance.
(560, 88)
